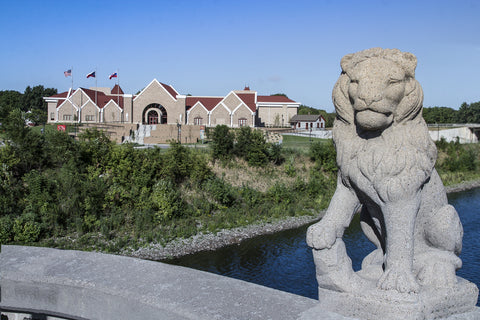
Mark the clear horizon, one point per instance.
(213, 47)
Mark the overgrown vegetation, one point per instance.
(457, 162)
(92, 194)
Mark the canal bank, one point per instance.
(226, 237)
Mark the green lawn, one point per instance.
(298, 142)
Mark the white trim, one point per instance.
(278, 104)
(224, 98)
(83, 106)
(88, 98)
(71, 102)
(112, 101)
(221, 103)
(244, 104)
(161, 86)
(195, 105)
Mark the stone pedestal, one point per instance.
(430, 303)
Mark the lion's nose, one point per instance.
(370, 99)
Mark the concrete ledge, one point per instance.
(85, 285)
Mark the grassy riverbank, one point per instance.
(93, 195)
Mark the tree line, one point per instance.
(467, 113)
(30, 102)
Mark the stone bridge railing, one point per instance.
(86, 285)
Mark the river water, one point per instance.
(284, 261)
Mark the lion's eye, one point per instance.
(354, 81)
(394, 81)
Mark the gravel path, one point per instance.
(210, 241)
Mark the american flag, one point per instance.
(68, 73)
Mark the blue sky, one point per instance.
(208, 47)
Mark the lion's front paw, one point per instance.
(321, 235)
(401, 280)
(438, 274)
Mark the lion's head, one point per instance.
(378, 104)
(377, 88)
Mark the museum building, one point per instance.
(159, 103)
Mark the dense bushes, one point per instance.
(246, 144)
(52, 185)
(457, 157)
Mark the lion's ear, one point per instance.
(345, 63)
(341, 100)
(410, 86)
(411, 105)
(409, 62)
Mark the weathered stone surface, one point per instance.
(386, 172)
(87, 285)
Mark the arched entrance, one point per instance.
(152, 117)
(154, 113)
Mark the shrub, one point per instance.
(6, 229)
(166, 201)
(324, 155)
(221, 192)
(25, 229)
(222, 143)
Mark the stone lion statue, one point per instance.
(386, 172)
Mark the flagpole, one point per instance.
(71, 73)
(118, 91)
(96, 87)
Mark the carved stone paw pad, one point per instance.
(398, 279)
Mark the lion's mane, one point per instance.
(412, 167)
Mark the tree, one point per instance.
(440, 115)
(9, 100)
(32, 100)
(469, 113)
(222, 143)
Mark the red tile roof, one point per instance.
(60, 95)
(102, 98)
(117, 90)
(274, 99)
(249, 100)
(170, 90)
(208, 102)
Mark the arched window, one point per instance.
(198, 121)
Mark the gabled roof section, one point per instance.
(114, 103)
(208, 102)
(169, 89)
(274, 99)
(60, 95)
(117, 90)
(102, 98)
(306, 117)
(249, 100)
